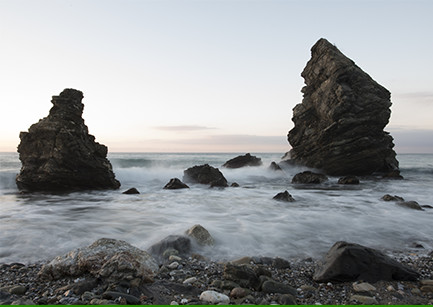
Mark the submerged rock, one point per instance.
(309, 177)
(284, 196)
(339, 124)
(388, 197)
(348, 180)
(352, 262)
(131, 191)
(175, 184)
(274, 166)
(58, 153)
(106, 258)
(242, 161)
(205, 174)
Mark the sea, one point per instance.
(244, 221)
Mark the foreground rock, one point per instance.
(242, 161)
(308, 177)
(171, 245)
(131, 191)
(106, 258)
(175, 184)
(351, 262)
(339, 124)
(58, 153)
(205, 174)
(200, 235)
(284, 196)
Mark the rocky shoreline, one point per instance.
(195, 280)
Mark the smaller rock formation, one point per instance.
(109, 259)
(309, 177)
(388, 197)
(402, 203)
(339, 124)
(242, 161)
(205, 174)
(284, 196)
(352, 262)
(131, 191)
(274, 166)
(200, 235)
(58, 153)
(348, 180)
(175, 184)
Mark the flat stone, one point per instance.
(272, 286)
(366, 300)
(287, 299)
(363, 287)
(18, 290)
(112, 295)
(239, 292)
(427, 282)
(200, 235)
(243, 260)
(190, 280)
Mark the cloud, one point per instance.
(183, 128)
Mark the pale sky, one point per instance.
(206, 76)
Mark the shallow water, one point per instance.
(243, 221)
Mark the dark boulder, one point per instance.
(388, 197)
(242, 161)
(309, 177)
(243, 275)
(348, 180)
(351, 262)
(175, 184)
(410, 204)
(58, 153)
(131, 191)
(339, 124)
(205, 174)
(284, 196)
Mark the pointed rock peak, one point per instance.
(68, 103)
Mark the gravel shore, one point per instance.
(195, 280)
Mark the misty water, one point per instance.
(244, 221)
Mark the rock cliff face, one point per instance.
(58, 153)
(339, 124)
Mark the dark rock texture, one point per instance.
(181, 244)
(284, 196)
(205, 174)
(131, 191)
(351, 262)
(339, 124)
(348, 180)
(242, 161)
(175, 184)
(58, 153)
(309, 177)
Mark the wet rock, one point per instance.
(18, 290)
(388, 197)
(105, 258)
(363, 299)
(287, 299)
(239, 292)
(309, 177)
(205, 174)
(113, 295)
(214, 297)
(243, 260)
(175, 184)
(58, 153)
(280, 263)
(363, 287)
(351, 262)
(410, 204)
(242, 275)
(234, 185)
(272, 286)
(348, 180)
(284, 196)
(274, 166)
(181, 244)
(339, 124)
(131, 191)
(200, 235)
(242, 161)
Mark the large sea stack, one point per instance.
(59, 154)
(339, 124)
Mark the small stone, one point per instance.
(390, 288)
(366, 300)
(115, 295)
(284, 196)
(363, 287)
(174, 258)
(307, 288)
(415, 291)
(428, 288)
(97, 301)
(427, 282)
(23, 302)
(214, 297)
(280, 263)
(173, 265)
(190, 280)
(87, 296)
(18, 290)
(174, 303)
(184, 301)
(239, 292)
(201, 235)
(287, 299)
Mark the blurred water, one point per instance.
(244, 221)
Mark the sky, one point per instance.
(206, 75)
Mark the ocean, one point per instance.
(244, 221)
